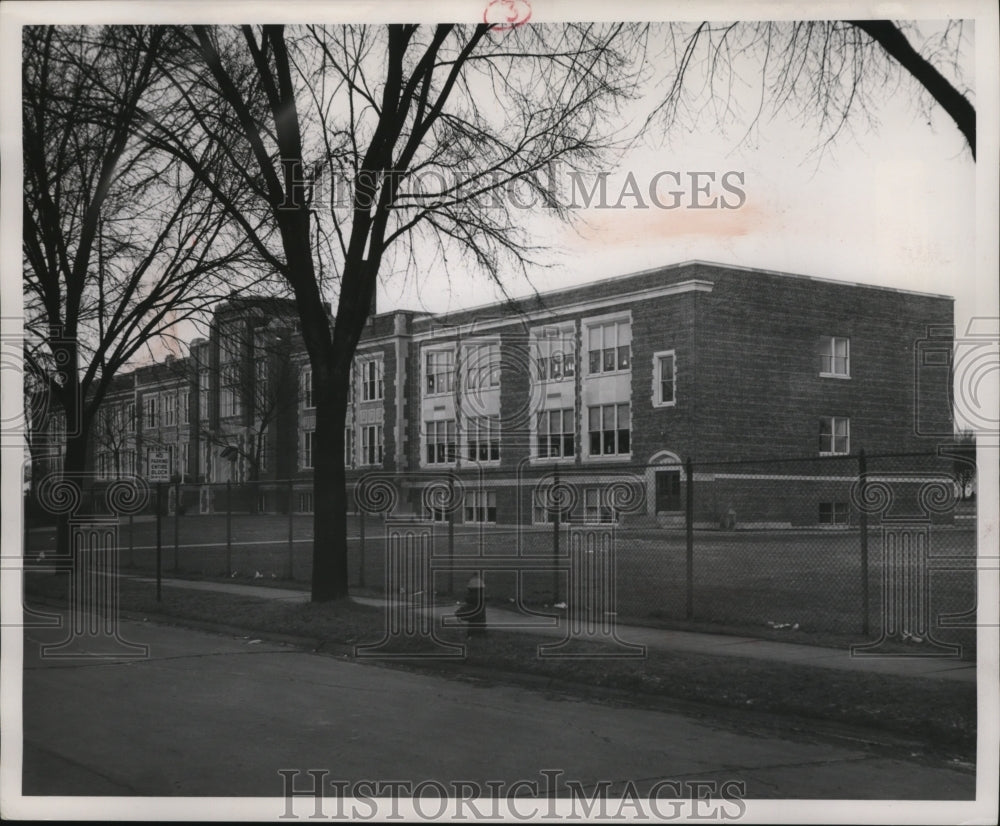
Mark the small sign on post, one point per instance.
(159, 466)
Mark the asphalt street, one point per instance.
(208, 714)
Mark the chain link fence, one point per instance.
(869, 546)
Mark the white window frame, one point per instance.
(307, 449)
(846, 511)
(425, 358)
(567, 414)
(619, 454)
(184, 406)
(372, 386)
(231, 402)
(262, 383)
(832, 445)
(480, 507)
(605, 513)
(829, 357)
(262, 447)
(204, 390)
(371, 445)
(658, 378)
(480, 426)
(481, 365)
(169, 417)
(307, 389)
(551, 345)
(150, 413)
(129, 416)
(606, 324)
(431, 429)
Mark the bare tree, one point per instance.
(387, 109)
(120, 241)
(822, 72)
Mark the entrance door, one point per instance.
(668, 490)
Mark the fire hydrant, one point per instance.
(473, 610)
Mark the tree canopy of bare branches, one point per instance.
(121, 242)
(391, 117)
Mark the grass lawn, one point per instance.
(741, 579)
(939, 714)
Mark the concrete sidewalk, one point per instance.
(653, 638)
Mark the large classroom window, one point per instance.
(608, 426)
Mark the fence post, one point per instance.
(555, 537)
(291, 545)
(451, 535)
(361, 543)
(159, 545)
(177, 517)
(229, 528)
(131, 542)
(863, 525)
(689, 529)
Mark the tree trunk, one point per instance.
(330, 578)
(74, 465)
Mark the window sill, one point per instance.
(623, 371)
(834, 376)
(552, 460)
(834, 453)
(664, 404)
(611, 457)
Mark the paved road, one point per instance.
(207, 714)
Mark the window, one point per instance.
(664, 379)
(231, 390)
(440, 372)
(307, 449)
(208, 455)
(435, 514)
(555, 434)
(480, 506)
(203, 379)
(104, 466)
(130, 417)
(371, 380)
(441, 442)
(484, 439)
(261, 384)
(262, 447)
(371, 444)
(595, 510)
(834, 435)
(348, 446)
(169, 409)
(305, 503)
(833, 513)
(835, 356)
(183, 466)
(128, 460)
(150, 404)
(481, 368)
(609, 347)
(184, 400)
(609, 429)
(555, 354)
(307, 388)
